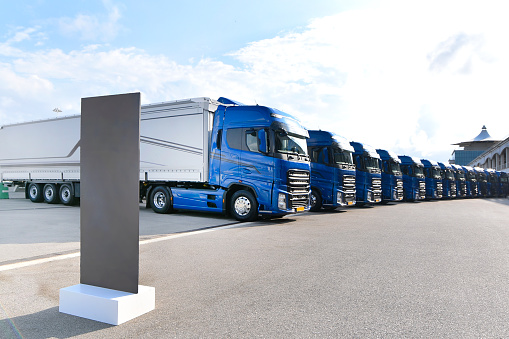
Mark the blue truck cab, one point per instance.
(448, 180)
(472, 188)
(258, 161)
(503, 182)
(368, 177)
(461, 181)
(414, 184)
(392, 178)
(433, 175)
(482, 182)
(332, 170)
(492, 182)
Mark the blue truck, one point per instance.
(195, 154)
(461, 181)
(448, 180)
(368, 177)
(482, 182)
(392, 178)
(492, 182)
(472, 187)
(503, 182)
(414, 184)
(332, 170)
(433, 175)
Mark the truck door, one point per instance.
(230, 156)
(256, 166)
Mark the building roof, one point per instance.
(482, 137)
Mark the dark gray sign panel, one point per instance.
(110, 162)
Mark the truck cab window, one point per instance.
(234, 138)
(251, 141)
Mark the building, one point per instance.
(472, 148)
(495, 157)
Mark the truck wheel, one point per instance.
(66, 195)
(35, 192)
(244, 206)
(50, 193)
(315, 200)
(160, 200)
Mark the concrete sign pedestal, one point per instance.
(105, 305)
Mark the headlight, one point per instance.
(339, 198)
(281, 201)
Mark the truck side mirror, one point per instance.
(262, 141)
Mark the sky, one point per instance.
(413, 77)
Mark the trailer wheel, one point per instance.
(66, 195)
(244, 206)
(315, 201)
(35, 192)
(50, 194)
(160, 200)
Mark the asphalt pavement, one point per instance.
(413, 270)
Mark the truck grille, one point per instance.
(422, 190)
(440, 189)
(376, 186)
(399, 189)
(463, 189)
(349, 188)
(298, 188)
(453, 189)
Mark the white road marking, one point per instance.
(77, 254)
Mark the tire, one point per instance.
(66, 195)
(50, 194)
(161, 200)
(315, 200)
(244, 206)
(35, 192)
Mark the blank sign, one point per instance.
(110, 161)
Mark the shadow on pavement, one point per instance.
(49, 323)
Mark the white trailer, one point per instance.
(46, 154)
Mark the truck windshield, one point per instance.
(482, 177)
(341, 156)
(290, 143)
(371, 163)
(460, 176)
(449, 175)
(395, 168)
(435, 172)
(471, 176)
(504, 179)
(418, 171)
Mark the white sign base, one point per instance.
(106, 305)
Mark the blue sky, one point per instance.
(409, 76)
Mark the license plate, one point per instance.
(377, 200)
(300, 209)
(350, 203)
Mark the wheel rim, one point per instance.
(159, 200)
(33, 191)
(312, 199)
(48, 193)
(242, 206)
(66, 193)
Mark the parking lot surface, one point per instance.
(428, 269)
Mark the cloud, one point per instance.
(98, 27)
